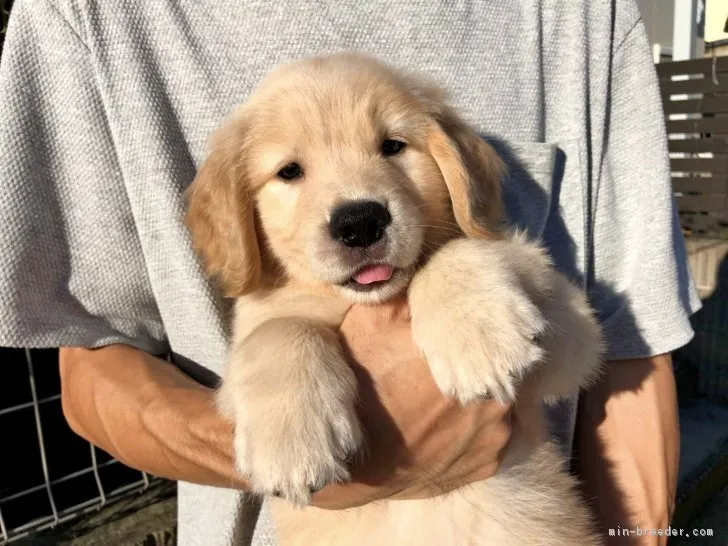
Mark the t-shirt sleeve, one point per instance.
(72, 270)
(640, 280)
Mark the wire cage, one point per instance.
(48, 474)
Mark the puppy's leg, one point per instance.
(534, 502)
(497, 310)
(290, 394)
(572, 342)
(474, 321)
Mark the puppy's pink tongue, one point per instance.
(374, 273)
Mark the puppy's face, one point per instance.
(346, 174)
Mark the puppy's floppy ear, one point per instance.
(221, 215)
(472, 171)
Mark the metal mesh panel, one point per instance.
(48, 474)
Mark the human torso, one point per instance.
(170, 71)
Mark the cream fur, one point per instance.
(490, 314)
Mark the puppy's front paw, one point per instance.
(474, 322)
(296, 426)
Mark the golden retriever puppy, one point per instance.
(342, 180)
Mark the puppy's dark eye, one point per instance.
(290, 171)
(392, 147)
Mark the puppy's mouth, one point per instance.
(370, 277)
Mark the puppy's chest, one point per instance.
(286, 302)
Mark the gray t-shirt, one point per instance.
(106, 107)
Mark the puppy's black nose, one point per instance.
(359, 223)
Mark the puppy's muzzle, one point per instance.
(359, 224)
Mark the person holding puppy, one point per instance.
(107, 110)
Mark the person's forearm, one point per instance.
(628, 441)
(151, 416)
(146, 413)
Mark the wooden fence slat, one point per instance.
(693, 66)
(701, 222)
(713, 184)
(715, 145)
(718, 125)
(701, 203)
(701, 199)
(717, 165)
(710, 104)
(701, 85)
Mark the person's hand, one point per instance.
(419, 443)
